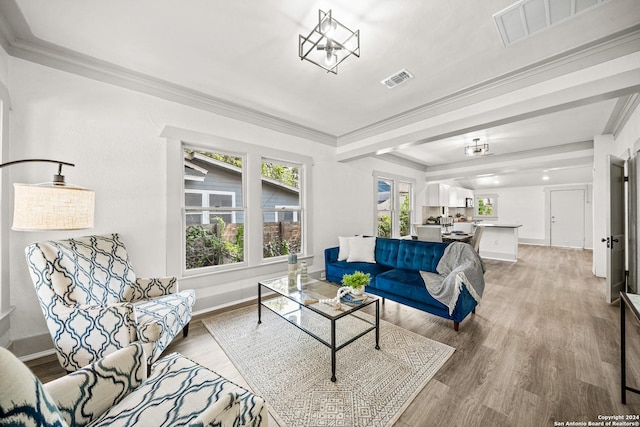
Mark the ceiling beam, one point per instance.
(612, 79)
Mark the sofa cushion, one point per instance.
(362, 249)
(387, 251)
(343, 254)
(418, 255)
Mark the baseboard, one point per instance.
(538, 242)
(498, 256)
(33, 347)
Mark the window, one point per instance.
(281, 208)
(394, 206)
(213, 212)
(486, 206)
(222, 209)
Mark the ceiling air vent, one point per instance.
(527, 17)
(398, 78)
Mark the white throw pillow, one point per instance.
(343, 254)
(362, 249)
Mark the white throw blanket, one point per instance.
(459, 264)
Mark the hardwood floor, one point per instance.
(543, 347)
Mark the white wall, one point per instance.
(112, 135)
(5, 188)
(522, 205)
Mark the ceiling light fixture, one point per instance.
(329, 43)
(476, 149)
(52, 205)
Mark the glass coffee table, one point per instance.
(300, 305)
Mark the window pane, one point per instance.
(213, 236)
(384, 194)
(404, 193)
(216, 243)
(281, 236)
(384, 223)
(193, 199)
(486, 207)
(220, 200)
(281, 204)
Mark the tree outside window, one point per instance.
(486, 206)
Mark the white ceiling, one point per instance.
(244, 54)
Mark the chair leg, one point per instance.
(456, 325)
(185, 330)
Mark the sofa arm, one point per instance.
(84, 395)
(153, 288)
(331, 255)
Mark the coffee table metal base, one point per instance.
(375, 326)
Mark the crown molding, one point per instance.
(18, 41)
(615, 45)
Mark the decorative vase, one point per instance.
(357, 291)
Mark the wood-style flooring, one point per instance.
(543, 348)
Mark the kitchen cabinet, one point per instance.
(437, 195)
(458, 196)
(463, 195)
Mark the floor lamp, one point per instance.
(52, 205)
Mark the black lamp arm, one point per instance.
(38, 160)
(58, 179)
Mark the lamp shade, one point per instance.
(52, 207)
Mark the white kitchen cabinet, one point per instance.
(453, 196)
(437, 195)
(464, 194)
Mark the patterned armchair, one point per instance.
(94, 304)
(115, 391)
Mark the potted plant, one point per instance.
(356, 281)
(432, 220)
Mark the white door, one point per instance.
(567, 218)
(615, 238)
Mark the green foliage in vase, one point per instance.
(356, 279)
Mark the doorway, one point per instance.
(567, 218)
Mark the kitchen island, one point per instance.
(499, 241)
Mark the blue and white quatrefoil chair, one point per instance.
(94, 304)
(115, 391)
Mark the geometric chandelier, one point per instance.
(329, 43)
(476, 149)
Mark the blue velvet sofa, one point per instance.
(396, 275)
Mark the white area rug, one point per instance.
(292, 371)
